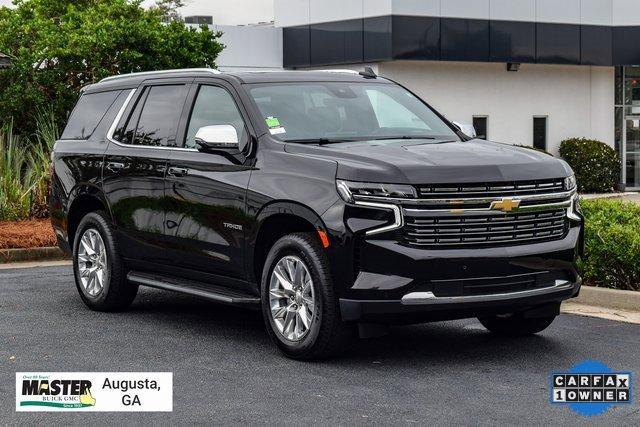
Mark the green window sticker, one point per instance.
(272, 122)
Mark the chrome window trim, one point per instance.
(114, 125)
(455, 202)
(397, 215)
(428, 298)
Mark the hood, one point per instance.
(435, 161)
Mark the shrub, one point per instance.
(14, 184)
(39, 162)
(612, 244)
(596, 165)
(24, 170)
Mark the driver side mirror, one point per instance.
(217, 138)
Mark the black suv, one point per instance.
(333, 200)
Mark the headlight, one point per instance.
(570, 182)
(349, 189)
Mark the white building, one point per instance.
(574, 59)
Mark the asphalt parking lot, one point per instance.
(227, 372)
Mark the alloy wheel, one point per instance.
(291, 298)
(92, 262)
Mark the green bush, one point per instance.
(612, 244)
(596, 165)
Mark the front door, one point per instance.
(631, 153)
(206, 193)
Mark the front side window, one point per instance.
(87, 114)
(349, 111)
(214, 106)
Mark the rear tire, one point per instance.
(515, 324)
(299, 306)
(97, 266)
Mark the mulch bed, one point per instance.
(32, 233)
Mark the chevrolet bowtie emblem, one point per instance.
(507, 204)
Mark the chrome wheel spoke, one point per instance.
(284, 281)
(289, 322)
(305, 318)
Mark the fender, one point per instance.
(277, 207)
(287, 207)
(87, 189)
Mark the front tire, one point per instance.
(97, 266)
(299, 306)
(516, 324)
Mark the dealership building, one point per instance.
(527, 72)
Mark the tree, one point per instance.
(170, 9)
(59, 46)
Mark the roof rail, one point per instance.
(338, 71)
(151, 73)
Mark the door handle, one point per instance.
(115, 166)
(173, 171)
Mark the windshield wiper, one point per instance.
(320, 141)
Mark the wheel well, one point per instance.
(80, 207)
(272, 229)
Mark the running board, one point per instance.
(191, 287)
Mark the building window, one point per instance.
(540, 133)
(480, 125)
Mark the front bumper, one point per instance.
(416, 307)
(399, 284)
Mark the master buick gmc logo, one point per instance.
(507, 204)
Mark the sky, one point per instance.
(224, 12)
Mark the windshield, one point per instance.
(312, 111)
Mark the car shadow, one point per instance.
(461, 342)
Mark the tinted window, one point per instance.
(89, 110)
(214, 106)
(480, 125)
(540, 133)
(159, 118)
(127, 129)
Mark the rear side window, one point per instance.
(87, 114)
(158, 122)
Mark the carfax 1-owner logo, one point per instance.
(94, 391)
(590, 388)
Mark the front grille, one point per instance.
(483, 189)
(485, 229)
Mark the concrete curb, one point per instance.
(591, 196)
(608, 298)
(31, 254)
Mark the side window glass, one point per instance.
(160, 115)
(127, 130)
(214, 106)
(87, 114)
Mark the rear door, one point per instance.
(135, 164)
(206, 193)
